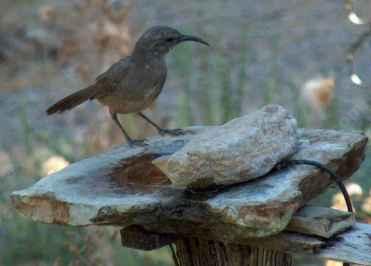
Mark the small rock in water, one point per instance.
(242, 149)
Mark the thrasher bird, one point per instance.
(134, 82)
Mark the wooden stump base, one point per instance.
(198, 252)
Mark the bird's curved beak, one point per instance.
(190, 38)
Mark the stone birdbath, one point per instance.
(216, 193)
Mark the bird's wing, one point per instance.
(108, 81)
(162, 81)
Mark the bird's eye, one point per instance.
(170, 39)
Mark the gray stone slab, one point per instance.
(353, 246)
(122, 187)
(243, 149)
(320, 221)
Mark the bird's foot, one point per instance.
(137, 143)
(172, 132)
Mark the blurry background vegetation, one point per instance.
(311, 56)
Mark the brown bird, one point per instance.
(134, 82)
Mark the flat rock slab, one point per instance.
(353, 246)
(113, 188)
(307, 231)
(243, 149)
(320, 221)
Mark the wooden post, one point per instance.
(193, 251)
(198, 252)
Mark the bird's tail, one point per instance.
(72, 100)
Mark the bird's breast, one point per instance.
(137, 90)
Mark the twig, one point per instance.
(355, 46)
(358, 43)
(175, 257)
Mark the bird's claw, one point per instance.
(137, 143)
(172, 132)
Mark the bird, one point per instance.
(134, 82)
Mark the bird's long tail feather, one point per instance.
(72, 100)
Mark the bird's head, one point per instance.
(159, 40)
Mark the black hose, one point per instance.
(332, 174)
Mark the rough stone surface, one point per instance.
(320, 221)
(240, 150)
(122, 187)
(308, 222)
(353, 246)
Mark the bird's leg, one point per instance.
(150, 121)
(127, 137)
(163, 131)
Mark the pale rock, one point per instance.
(240, 150)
